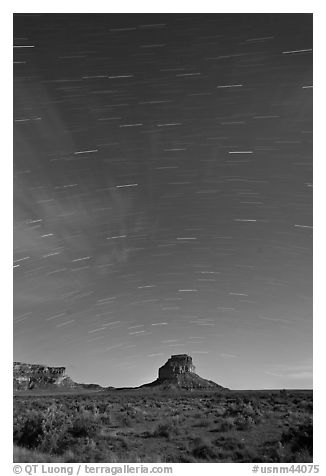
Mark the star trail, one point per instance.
(163, 195)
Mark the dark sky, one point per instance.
(163, 195)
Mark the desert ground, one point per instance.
(179, 427)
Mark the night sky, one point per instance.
(163, 195)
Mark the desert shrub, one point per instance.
(220, 411)
(229, 443)
(204, 452)
(279, 453)
(53, 434)
(105, 418)
(302, 456)
(209, 404)
(83, 427)
(28, 430)
(202, 449)
(166, 430)
(246, 455)
(299, 438)
(308, 406)
(163, 429)
(53, 430)
(226, 425)
(257, 418)
(244, 423)
(103, 407)
(231, 449)
(90, 406)
(232, 409)
(125, 420)
(248, 409)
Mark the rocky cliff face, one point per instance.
(177, 364)
(29, 376)
(179, 373)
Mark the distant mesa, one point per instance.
(179, 373)
(176, 365)
(30, 376)
(44, 377)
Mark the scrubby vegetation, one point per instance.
(135, 426)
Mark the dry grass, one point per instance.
(139, 426)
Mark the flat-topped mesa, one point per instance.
(22, 368)
(178, 373)
(28, 376)
(177, 364)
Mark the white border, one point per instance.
(202, 6)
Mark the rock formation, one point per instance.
(29, 376)
(179, 373)
(177, 364)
